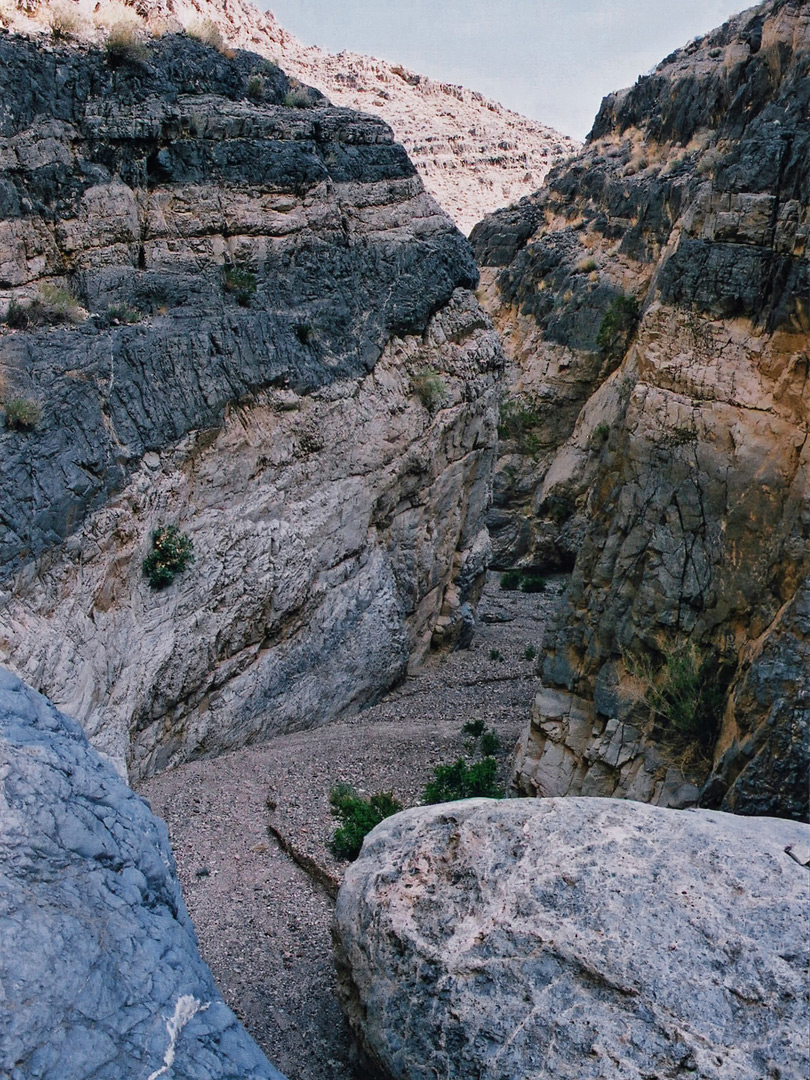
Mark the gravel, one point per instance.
(263, 919)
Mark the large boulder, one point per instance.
(99, 967)
(578, 938)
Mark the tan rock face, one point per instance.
(473, 154)
(271, 343)
(670, 465)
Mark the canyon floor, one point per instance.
(262, 919)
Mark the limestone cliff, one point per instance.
(653, 299)
(473, 154)
(247, 319)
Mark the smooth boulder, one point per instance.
(100, 976)
(578, 938)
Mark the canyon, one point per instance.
(236, 321)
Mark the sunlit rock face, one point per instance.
(236, 311)
(665, 456)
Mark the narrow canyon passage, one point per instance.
(263, 922)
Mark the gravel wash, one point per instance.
(263, 921)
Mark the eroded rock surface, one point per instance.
(670, 459)
(577, 938)
(274, 347)
(473, 154)
(98, 959)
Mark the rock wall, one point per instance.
(653, 301)
(577, 938)
(473, 154)
(99, 963)
(272, 345)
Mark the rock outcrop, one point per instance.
(473, 154)
(653, 300)
(577, 938)
(247, 319)
(98, 960)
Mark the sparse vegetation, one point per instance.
(357, 817)
(65, 24)
(123, 314)
(510, 580)
(618, 327)
(298, 96)
(21, 414)
(585, 266)
(255, 87)
(517, 420)
(124, 46)
(17, 316)
(495, 654)
(54, 305)
(303, 331)
(490, 743)
(685, 696)
(172, 552)
(462, 780)
(208, 33)
(429, 387)
(529, 653)
(559, 508)
(474, 728)
(599, 436)
(528, 581)
(240, 282)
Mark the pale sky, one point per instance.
(552, 60)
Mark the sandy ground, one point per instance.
(263, 921)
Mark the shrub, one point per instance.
(430, 389)
(65, 24)
(462, 781)
(172, 551)
(495, 654)
(686, 696)
(22, 414)
(599, 436)
(303, 331)
(618, 327)
(17, 316)
(474, 727)
(559, 508)
(239, 281)
(490, 743)
(517, 419)
(123, 313)
(123, 45)
(511, 580)
(53, 305)
(207, 33)
(529, 653)
(298, 97)
(255, 87)
(357, 816)
(531, 582)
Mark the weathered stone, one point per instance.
(99, 965)
(578, 938)
(282, 357)
(672, 467)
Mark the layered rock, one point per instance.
(272, 346)
(100, 970)
(473, 154)
(577, 938)
(667, 455)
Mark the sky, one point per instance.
(552, 60)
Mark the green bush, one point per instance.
(255, 87)
(123, 313)
(686, 696)
(463, 781)
(17, 316)
(528, 581)
(517, 420)
(529, 653)
(430, 389)
(474, 727)
(490, 743)
(298, 97)
(618, 327)
(241, 282)
(511, 580)
(22, 414)
(495, 654)
(357, 817)
(172, 551)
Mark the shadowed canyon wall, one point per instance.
(653, 302)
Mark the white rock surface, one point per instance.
(578, 938)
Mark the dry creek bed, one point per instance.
(263, 921)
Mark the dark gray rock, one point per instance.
(99, 965)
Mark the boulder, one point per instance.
(99, 966)
(578, 938)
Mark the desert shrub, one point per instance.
(517, 420)
(686, 696)
(17, 316)
(495, 654)
(529, 653)
(618, 326)
(429, 387)
(240, 282)
(65, 24)
(474, 727)
(303, 331)
(124, 45)
(490, 743)
(172, 552)
(21, 414)
(461, 780)
(255, 87)
(510, 580)
(123, 313)
(585, 266)
(357, 817)
(531, 582)
(298, 97)
(599, 436)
